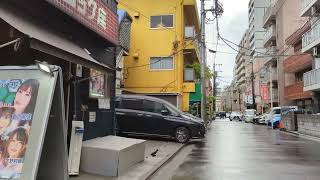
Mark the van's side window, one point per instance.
(133, 104)
(151, 106)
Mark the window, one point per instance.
(151, 106)
(164, 63)
(132, 104)
(162, 21)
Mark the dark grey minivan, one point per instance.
(149, 116)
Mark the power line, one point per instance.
(176, 52)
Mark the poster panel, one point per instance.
(264, 92)
(96, 89)
(17, 103)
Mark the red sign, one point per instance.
(264, 92)
(94, 14)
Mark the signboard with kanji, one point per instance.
(264, 92)
(94, 14)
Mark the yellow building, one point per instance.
(164, 36)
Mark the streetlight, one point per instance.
(44, 67)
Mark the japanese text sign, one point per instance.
(94, 14)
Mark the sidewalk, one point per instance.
(145, 169)
(308, 137)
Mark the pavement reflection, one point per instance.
(240, 151)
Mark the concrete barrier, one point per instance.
(309, 124)
(289, 122)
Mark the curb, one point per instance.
(312, 138)
(148, 175)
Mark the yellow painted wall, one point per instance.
(189, 87)
(185, 102)
(147, 42)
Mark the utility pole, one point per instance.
(203, 64)
(217, 11)
(252, 84)
(271, 88)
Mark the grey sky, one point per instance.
(233, 24)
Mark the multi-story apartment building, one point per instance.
(294, 67)
(163, 43)
(256, 11)
(311, 44)
(285, 65)
(269, 75)
(242, 60)
(226, 99)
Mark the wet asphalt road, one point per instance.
(240, 151)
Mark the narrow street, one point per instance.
(240, 151)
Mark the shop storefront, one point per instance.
(81, 38)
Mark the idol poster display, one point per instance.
(17, 104)
(96, 89)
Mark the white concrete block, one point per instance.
(111, 155)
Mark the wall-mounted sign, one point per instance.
(92, 116)
(94, 14)
(96, 89)
(104, 103)
(79, 70)
(264, 92)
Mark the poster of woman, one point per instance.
(17, 104)
(96, 84)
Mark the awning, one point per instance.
(44, 40)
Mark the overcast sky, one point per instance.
(233, 24)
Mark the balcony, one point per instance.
(295, 91)
(270, 36)
(297, 63)
(192, 46)
(272, 54)
(274, 95)
(311, 38)
(269, 16)
(241, 79)
(274, 75)
(311, 80)
(240, 68)
(306, 6)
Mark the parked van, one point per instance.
(249, 115)
(277, 113)
(150, 116)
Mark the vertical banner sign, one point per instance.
(98, 15)
(264, 92)
(17, 103)
(96, 89)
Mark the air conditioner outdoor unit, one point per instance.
(189, 32)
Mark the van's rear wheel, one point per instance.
(182, 135)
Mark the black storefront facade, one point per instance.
(41, 31)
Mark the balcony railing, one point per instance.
(270, 35)
(271, 53)
(311, 80)
(297, 62)
(312, 37)
(295, 91)
(306, 6)
(269, 16)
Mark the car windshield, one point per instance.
(174, 111)
(250, 112)
(277, 111)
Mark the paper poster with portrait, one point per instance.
(96, 89)
(17, 104)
